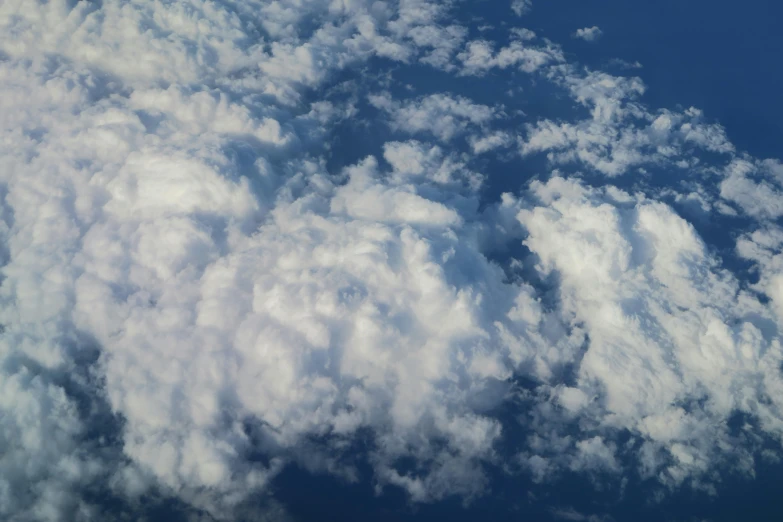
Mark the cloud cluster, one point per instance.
(191, 300)
(133, 186)
(479, 56)
(440, 115)
(676, 345)
(620, 134)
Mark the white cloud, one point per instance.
(130, 219)
(246, 305)
(485, 143)
(441, 43)
(763, 247)
(755, 186)
(337, 314)
(521, 7)
(588, 34)
(442, 115)
(417, 163)
(620, 134)
(522, 33)
(177, 255)
(479, 57)
(651, 300)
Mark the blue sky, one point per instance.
(404, 260)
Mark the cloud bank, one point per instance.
(194, 297)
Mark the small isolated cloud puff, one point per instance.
(621, 133)
(521, 7)
(588, 34)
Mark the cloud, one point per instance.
(354, 296)
(650, 298)
(479, 57)
(441, 115)
(243, 301)
(763, 246)
(522, 33)
(754, 186)
(131, 187)
(521, 7)
(620, 134)
(588, 34)
(481, 144)
(569, 513)
(192, 300)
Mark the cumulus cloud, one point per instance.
(441, 115)
(620, 134)
(479, 57)
(131, 186)
(237, 293)
(588, 34)
(763, 246)
(488, 142)
(522, 33)
(666, 325)
(755, 186)
(521, 7)
(192, 300)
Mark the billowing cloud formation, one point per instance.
(676, 346)
(193, 297)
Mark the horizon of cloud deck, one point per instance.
(191, 300)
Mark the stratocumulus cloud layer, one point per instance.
(196, 294)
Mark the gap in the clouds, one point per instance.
(519, 265)
(353, 138)
(521, 98)
(511, 175)
(84, 385)
(739, 497)
(524, 97)
(513, 496)
(310, 497)
(153, 507)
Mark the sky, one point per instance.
(294, 260)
